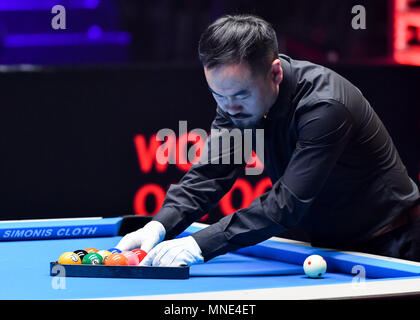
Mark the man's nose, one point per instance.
(234, 109)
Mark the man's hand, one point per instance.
(174, 253)
(145, 238)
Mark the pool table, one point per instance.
(267, 271)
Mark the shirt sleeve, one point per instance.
(323, 131)
(207, 181)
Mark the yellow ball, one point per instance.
(104, 254)
(69, 258)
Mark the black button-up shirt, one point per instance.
(335, 171)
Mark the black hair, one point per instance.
(234, 39)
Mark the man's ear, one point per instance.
(276, 71)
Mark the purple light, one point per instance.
(94, 32)
(65, 39)
(92, 4)
(24, 5)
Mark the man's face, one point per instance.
(244, 95)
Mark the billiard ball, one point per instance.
(90, 250)
(114, 250)
(81, 253)
(132, 258)
(92, 258)
(116, 259)
(140, 254)
(315, 266)
(104, 254)
(69, 258)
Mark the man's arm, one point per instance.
(323, 133)
(202, 186)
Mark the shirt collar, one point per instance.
(282, 106)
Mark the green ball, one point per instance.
(92, 258)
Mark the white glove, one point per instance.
(145, 238)
(174, 253)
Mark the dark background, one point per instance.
(73, 100)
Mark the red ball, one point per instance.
(132, 258)
(140, 254)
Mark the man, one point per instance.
(335, 171)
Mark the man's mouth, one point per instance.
(240, 116)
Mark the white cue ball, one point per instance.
(314, 266)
